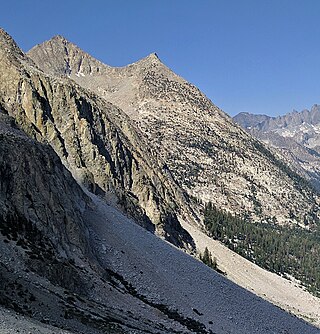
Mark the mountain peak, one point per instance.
(62, 55)
(9, 48)
(315, 108)
(153, 56)
(249, 120)
(59, 38)
(7, 42)
(151, 59)
(56, 41)
(3, 32)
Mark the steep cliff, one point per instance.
(95, 140)
(41, 204)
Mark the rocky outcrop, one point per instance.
(42, 232)
(32, 175)
(95, 140)
(209, 156)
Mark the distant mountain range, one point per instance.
(292, 120)
(296, 136)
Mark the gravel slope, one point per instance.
(165, 275)
(13, 323)
(165, 285)
(284, 293)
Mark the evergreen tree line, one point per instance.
(282, 250)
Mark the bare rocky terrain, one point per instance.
(95, 140)
(209, 156)
(88, 184)
(13, 323)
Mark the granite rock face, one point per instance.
(43, 238)
(95, 140)
(38, 196)
(209, 156)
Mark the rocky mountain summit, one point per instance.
(210, 157)
(296, 136)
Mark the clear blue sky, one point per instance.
(260, 56)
